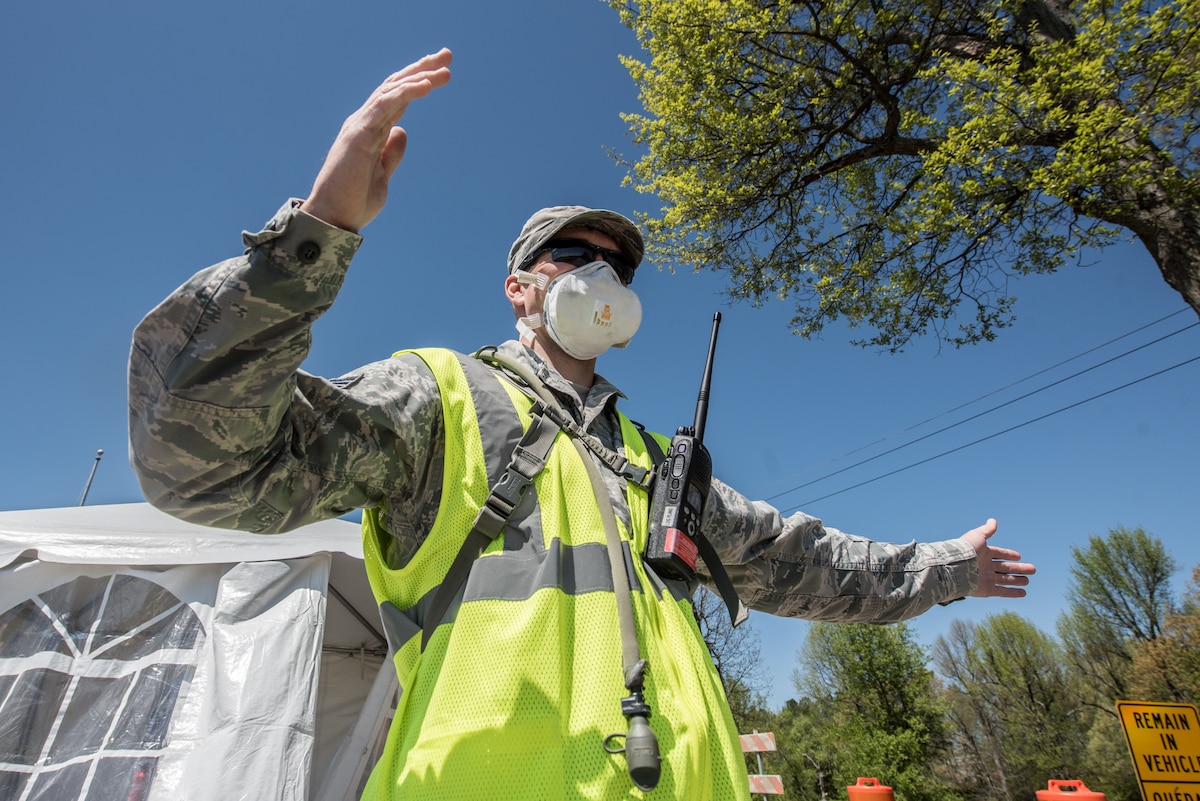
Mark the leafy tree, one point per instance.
(1123, 578)
(809, 748)
(1018, 722)
(1168, 668)
(891, 162)
(1119, 602)
(881, 710)
(1119, 595)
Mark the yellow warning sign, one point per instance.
(1164, 741)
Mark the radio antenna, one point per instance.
(706, 382)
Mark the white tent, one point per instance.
(147, 659)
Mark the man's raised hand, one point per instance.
(352, 186)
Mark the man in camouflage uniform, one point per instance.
(227, 431)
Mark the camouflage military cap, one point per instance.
(546, 224)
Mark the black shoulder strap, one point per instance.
(528, 459)
(657, 456)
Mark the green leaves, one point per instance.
(881, 712)
(893, 167)
(1013, 705)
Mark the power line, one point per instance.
(984, 396)
(994, 408)
(999, 433)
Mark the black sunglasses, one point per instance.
(579, 252)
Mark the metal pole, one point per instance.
(91, 475)
(757, 754)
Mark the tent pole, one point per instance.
(357, 615)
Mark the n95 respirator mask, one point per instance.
(586, 311)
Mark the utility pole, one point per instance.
(91, 475)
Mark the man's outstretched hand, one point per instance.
(1000, 574)
(352, 185)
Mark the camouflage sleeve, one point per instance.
(225, 430)
(797, 567)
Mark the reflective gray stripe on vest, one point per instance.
(515, 575)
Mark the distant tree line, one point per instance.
(994, 710)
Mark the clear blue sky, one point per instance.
(140, 139)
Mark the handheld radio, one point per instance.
(681, 490)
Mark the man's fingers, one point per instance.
(430, 63)
(1007, 592)
(1001, 554)
(999, 577)
(1005, 565)
(1012, 580)
(414, 81)
(1002, 585)
(415, 86)
(390, 100)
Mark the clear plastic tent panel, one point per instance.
(102, 663)
(146, 659)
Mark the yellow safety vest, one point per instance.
(521, 682)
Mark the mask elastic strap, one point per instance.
(540, 280)
(526, 325)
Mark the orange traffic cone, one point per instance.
(872, 790)
(1068, 790)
